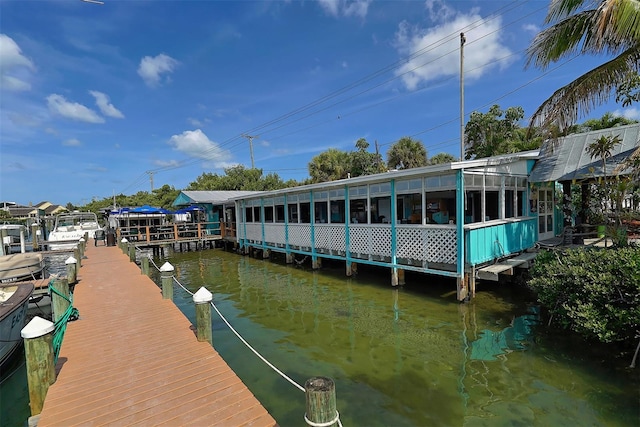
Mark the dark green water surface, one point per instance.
(410, 356)
(403, 357)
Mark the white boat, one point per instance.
(70, 227)
(22, 266)
(14, 300)
(13, 232)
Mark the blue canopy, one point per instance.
(189, 209)
(146, 209)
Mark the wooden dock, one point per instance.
(133, 359)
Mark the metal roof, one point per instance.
(569, 159)
(215, 197)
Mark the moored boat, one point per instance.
(14, 300)
(22, 266)
(70, 227)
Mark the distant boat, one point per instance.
(70, 227)
(14, 300)
(19, 267)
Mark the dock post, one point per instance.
(202, 299)
(316, 262)
(35, 233)
(132, 252)
(3, 250)
(77, 256)
(394, 276)
(39, 357)
(320, 395)
(59, 303)
(72, 270)
(166, 272)
(123, 245)
(145, 265)
(81, 243)
(288, 258)
(401, 281)
(266, 254)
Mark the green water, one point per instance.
(403, 357)
(399, 357)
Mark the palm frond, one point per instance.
(586, 92)
(560, 40)
(559, 9)
(618, 21)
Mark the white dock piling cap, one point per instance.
(166, 267)
(37, 327)
(71, 260)
(81, 239)
(124, 240)
(202, 296)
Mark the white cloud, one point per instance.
(434, 52)
(628, 113)
(102, 101)
(357, 8)
(152, 69)
(531, 28)
(73, 142)
(196, 144)
(14, 66)
(72, 110)
(195, 122)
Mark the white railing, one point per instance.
(428, 243)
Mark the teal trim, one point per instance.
(394, 216)
(286, 224)
(312, 221)
(347, 218)
(182, 199)
(264, 244)
(460, 222)
(489, 243)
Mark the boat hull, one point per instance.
(23, 266)
(14, 301)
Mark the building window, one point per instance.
(293, 213)
(320, 211)
(279, 213)
(337, 211)
(256, 214)
(247, 214)
(305, 213)
(358, 211)
(268, 214)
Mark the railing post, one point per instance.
(59, 303)
(320, 395)
(81, 243)
(72, 270)
(144, 266)
(77, 255)
(132, 252)
(166, 272)
(39, 357)
(202, 299)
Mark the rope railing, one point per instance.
(60, 326)
(260, 356)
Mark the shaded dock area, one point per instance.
(133, 358)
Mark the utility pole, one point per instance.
(151, 178)
(250, 138)
(462, 41)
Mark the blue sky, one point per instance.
(96, 99)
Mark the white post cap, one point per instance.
(81, 239)
(124, 240)
(202, 296)
(37, 327)
(71, 260)
(166, 268)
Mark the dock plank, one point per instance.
(133, 359)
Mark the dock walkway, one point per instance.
(133, 359)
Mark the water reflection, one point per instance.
(398, 356)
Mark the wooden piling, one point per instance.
(77, 256)
(59, 303)
(166, 272)
(132, 252)
(316, 262)
(39, 358)
(81, 245)
(35, 233)
(321, 402)
(202, 299)
(144, 269)
(72, 271)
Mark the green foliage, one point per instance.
(595, 293)
(4, 214)
(441, 158)
(628, 91)
(364, 162)
(407, 153)
(330, 165)
(239, 178)
(497, 132)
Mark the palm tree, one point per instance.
(602, 148)
(613, 28)
(407, 153)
